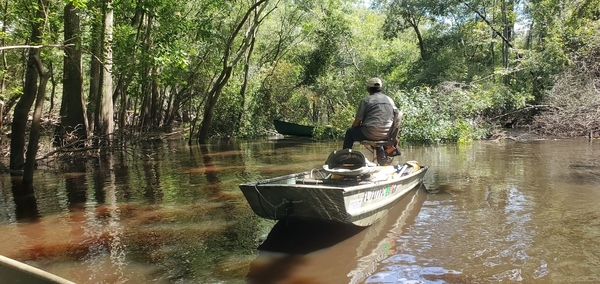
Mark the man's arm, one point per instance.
(356, 122)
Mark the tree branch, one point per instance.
(34, 46)
(493, 29)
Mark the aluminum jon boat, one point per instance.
(345, 190)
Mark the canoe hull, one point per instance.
(306, 196)
(288, 128)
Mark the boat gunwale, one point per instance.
(368, 185)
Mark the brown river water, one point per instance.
(164, 212)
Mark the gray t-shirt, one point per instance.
(377, 114)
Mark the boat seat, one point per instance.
(390, 141)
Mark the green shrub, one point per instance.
(444, 115)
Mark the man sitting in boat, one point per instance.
(374, 118)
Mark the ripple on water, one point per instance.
(411, 273)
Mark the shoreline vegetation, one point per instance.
(96, 74)
(51, 154)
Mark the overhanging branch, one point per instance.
(33, 46)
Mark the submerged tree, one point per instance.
(31, 90)
(105, 121)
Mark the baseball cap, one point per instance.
(374, 82)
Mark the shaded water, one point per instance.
(509, 211)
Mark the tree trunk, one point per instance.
(52, 89)
(415, 25)
(34, 137)
(168, 117)
(507, 28)
(21, 112)
(211, 103)
(5, 24)
(245, 83)
(155, 106)
(147, 110)
(72, 111)
(144, 116)
(230, 60)
(122, 97)
(95, 78)
(105, 104)
(1, 117)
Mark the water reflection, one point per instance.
(287, 248)
(24, 199)
(292, 236)
(495, 211)
(303, 252)
(209, 171)
(121, 229)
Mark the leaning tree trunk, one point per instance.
(415, 25)
(244, 87)
(230, 59)
(34, 137)
(211, 103)
(21, 112)
(72, 111)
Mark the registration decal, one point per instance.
(370, 195)
(354, 204)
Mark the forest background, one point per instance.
(89, 72)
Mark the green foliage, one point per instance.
(15, 34)
(449, 113)
(329, 38)
(268, 99)
(78, 3)
(311, 59)
(338, 123)
(226, 115)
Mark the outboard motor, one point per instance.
(346, 159)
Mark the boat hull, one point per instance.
(288, 128)
(14, 271)
(306, 196)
